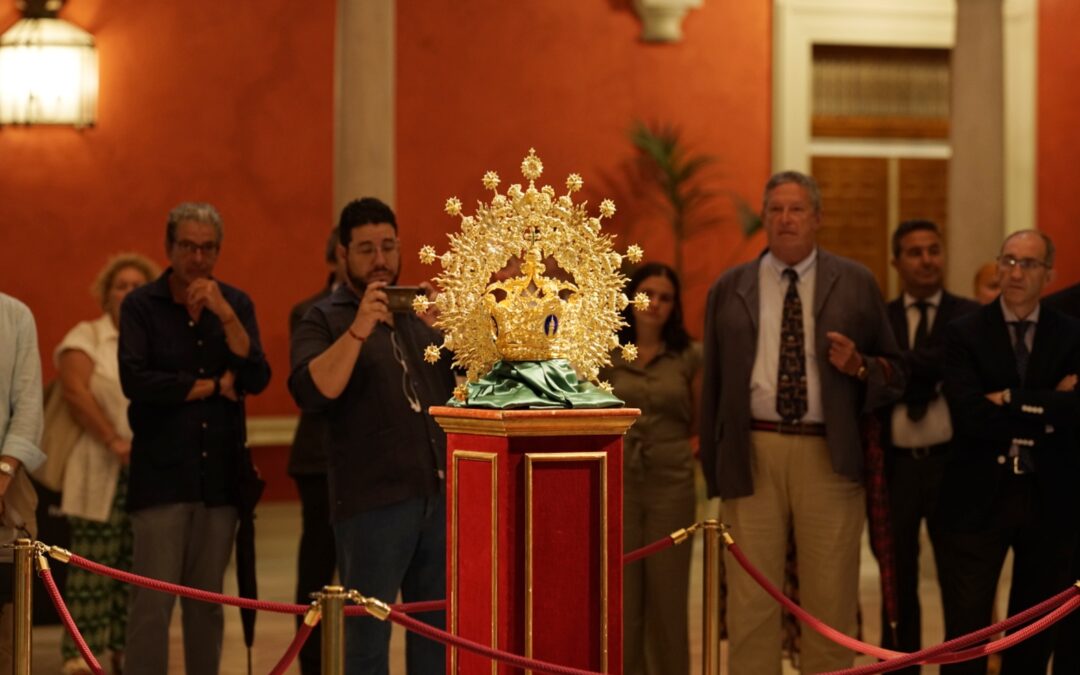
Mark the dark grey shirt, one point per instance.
(381, 451)
(308, 454)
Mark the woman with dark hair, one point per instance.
(658, 471)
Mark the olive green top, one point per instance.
(662, 389)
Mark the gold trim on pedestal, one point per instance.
(532, 458)
(492, 459)
(554, 422)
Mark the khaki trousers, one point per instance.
(794, 486)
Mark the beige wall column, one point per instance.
(976, 172)
(364, 101)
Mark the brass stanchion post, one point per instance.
(710, 586)
(22, 598)
(332, 605)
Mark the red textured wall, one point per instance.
(1059, 137)
(199, 100)
(204, 100)
(481, 82)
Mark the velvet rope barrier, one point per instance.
(65, 616)
(311, 618)
(945, 652)
(405, 607)
(77, 560)
(855, 645)
(417, 626)
(673, 539)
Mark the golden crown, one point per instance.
(530, 277)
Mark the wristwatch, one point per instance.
(7, 469)
(863, 373)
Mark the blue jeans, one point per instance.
(397, 547)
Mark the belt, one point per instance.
(796, 428)
(924, 451)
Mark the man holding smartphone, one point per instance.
(362, 364)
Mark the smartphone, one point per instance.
(400, 298)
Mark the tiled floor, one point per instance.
(277, 533)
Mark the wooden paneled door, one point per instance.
(855, 204)
(865, 198)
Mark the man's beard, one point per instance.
(360, 284)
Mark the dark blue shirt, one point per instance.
(184, 451)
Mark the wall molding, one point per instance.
(271, 430)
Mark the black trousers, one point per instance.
(914, 482)
(970, 564)
(316, 559)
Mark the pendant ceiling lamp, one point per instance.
(48, 69)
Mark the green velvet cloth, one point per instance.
(534, 384)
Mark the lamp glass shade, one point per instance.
(48, 74)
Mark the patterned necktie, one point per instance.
(1020, 348)
(917, 410)
(791, 374)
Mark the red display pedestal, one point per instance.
(534, 535)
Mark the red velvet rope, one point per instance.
(69, 623)
(246, 603)
(404, 607)
(655, 547)
(937, 654)
(886, 654)
(295, 646)
(442, 636)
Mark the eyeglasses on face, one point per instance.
(189, 247)
(367, 248)
(1008, 262)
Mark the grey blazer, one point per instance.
(847, 300)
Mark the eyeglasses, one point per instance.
(367, 248)
(1008, 262)
(407, 386)
(189, 247)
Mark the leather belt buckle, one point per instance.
(920, 453)
(786, 427)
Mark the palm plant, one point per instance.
(678, 174)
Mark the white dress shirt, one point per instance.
(936, 426)
(772, 287)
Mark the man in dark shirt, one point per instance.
(363, 366)
(189, 352)
(315, 560)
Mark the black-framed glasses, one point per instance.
(206, 248)
(407, 386)
(1008, 262)
(368, 248)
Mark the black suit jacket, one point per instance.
(925, 367)
(980, 360)
(1066, 300)
(308, 454)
